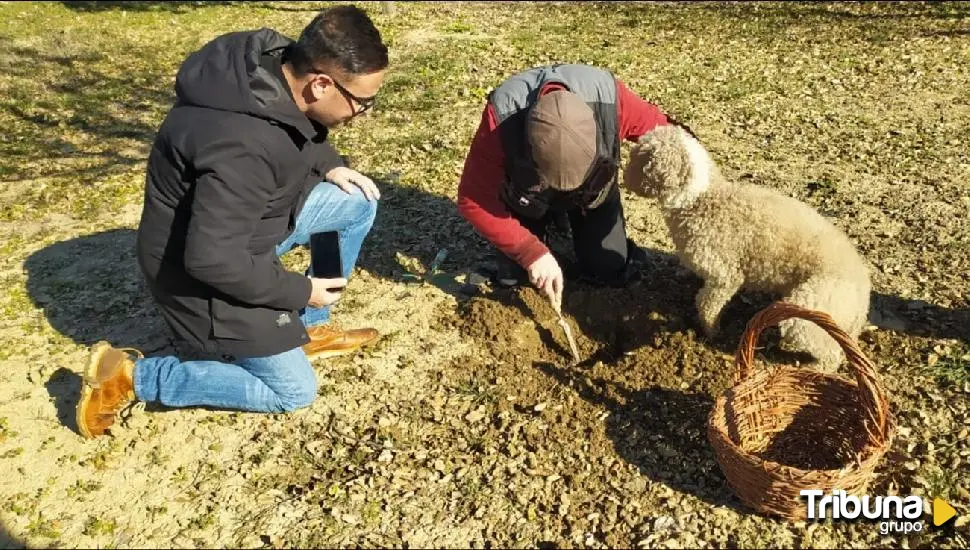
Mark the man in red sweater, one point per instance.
(549, 144)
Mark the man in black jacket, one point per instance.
(240, 172)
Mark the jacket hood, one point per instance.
(226, 74)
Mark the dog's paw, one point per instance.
(711, 330)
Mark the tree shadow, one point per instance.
(948, 33)
(93, 102)
(842, 10)
(661, 431)
(177, 6)
(8, 539)
(174, 6)
(293, 6)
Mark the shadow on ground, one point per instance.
(91, 289)
(64, 388)
(661, 431)
(94, 102)
(175, 6)
(8, 540)
(840, 10)
(185, 6)
(415, 224)
(616, 316)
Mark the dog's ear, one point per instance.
(633, 175)
(682, 126)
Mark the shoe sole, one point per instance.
(327, 354)
(88, 385)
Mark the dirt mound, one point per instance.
(645, 332)
(636, 406)
(505, 326)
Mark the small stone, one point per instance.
(476, 415)
(351, 519)
(664, 523)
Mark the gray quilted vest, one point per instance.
(511, 101)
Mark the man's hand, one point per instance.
(546, 275)
(325, 292)
(346, 178)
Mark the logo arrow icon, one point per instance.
(942, 512)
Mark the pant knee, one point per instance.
(301, 389)
(605, 264)
(299, 397)
(366, 210)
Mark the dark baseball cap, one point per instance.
(561, 129)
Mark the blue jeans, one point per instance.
(277, 383)
(329, 208)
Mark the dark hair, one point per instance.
(344, 36)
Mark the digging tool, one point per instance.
(557, 307)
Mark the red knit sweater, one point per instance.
(484, 175)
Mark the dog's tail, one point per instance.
(846, 300)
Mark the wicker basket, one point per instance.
(779, 431)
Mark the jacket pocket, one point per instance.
(270, 231)
(230, 320)
(235, 321)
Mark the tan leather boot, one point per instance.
(329, 342)
(107, 388)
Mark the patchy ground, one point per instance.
(466, 426)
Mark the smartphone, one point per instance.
(325, 262)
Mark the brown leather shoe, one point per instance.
(108, 386)
(330, 342)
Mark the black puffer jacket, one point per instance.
(228, 172)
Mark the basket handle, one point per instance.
(874, 401)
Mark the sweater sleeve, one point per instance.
(479, 199)
(637, 117)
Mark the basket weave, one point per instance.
(779, 431)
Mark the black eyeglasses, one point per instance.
(363, 103)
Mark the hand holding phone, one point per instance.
(326, 273)
(325, 292)
(325, 262)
